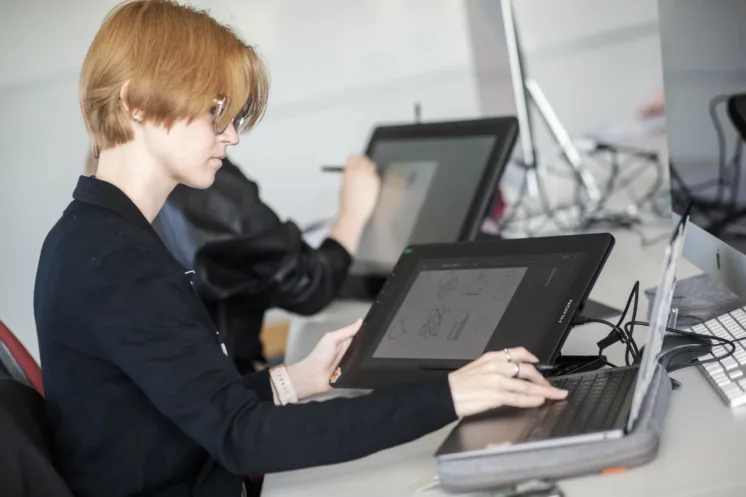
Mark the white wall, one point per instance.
(338, 67)
(595, 61)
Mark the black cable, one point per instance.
(621, 177)
(725, 341)
(630, 333)
(621, 333)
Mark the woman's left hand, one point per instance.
(311, 375)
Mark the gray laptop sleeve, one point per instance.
(479, 471)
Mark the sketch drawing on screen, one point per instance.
(434, 322)
(449, 313)
(447, 283)
(399, 328)
(478, 285)
(458, 325)
(505, 289)
(404, 187)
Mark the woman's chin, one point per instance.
(204, 181)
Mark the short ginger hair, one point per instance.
(169, 62)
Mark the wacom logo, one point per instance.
(564, 312)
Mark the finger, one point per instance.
(517, 370)
(529, 372)
(485, 360)
(517, 385)
(520, 400)
(341, 352)
(347, 331)
(343, 347)
(520, 354)
(493, 357)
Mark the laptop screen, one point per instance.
(659, 319)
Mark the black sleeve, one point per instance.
(272, 268)
(259, 382)
(243, 249)
(154, 332)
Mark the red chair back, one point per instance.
(15, 358)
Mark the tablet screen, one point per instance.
(404, 188)
(450, 314)
(427, 188)
(453, 308)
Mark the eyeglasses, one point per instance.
(240, 122)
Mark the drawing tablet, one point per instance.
(444, 305)
(438, 181)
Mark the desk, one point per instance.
(701, 453)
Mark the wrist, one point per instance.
(348, 229)
(283, 390)
(302, 380)
(352, 220)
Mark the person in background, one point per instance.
(654, 106)
(248, 261)
(140, 396)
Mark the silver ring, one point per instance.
(507, 354)
(517, 370)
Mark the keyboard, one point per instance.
(727, 376)
(592, 403)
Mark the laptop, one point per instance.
(601, 405)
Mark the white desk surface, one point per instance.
(702, 448)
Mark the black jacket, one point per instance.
(246, 259)
(141, 399)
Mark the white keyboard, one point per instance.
(727, 376)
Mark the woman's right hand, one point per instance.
(490, 382)
(361, 185)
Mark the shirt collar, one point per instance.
(103, 194)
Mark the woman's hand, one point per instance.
(491, 381)
(361, 186)
(311, 375)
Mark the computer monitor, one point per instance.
(703, 50)
(438, 181)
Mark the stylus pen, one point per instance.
(332, 169)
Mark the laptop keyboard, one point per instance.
(592, 404)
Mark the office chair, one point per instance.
(26, 467)
(16, 360)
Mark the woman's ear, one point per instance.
(135, 114)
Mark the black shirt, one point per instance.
(141, 399)
(248, 259)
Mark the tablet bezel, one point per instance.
(358, 369)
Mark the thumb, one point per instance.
(341, 352)
(347, 332)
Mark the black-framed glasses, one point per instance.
(240, 122)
